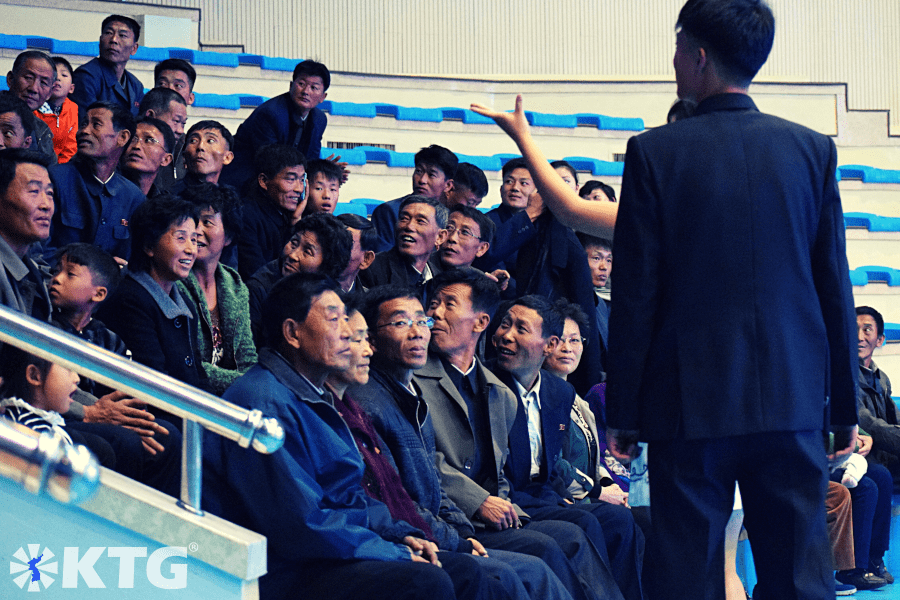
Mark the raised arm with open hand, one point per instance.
(594, 218)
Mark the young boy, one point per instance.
(60, 113)
(84, 277)
(324, 186)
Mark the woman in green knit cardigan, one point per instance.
(224, 341)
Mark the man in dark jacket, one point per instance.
(291, 118)
(105, 78)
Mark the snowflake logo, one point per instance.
(33, 567)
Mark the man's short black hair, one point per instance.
(486, 226)
(121, 117)
(104, 269)
(10, 103)
(151, 220)
(571, 310)
(334, 239)
(158, 100)
(215, 126)
(271, 159)
(131, 23)
(11, 158)
(439, 157)
(484, 291)
(739, 34)
(29, 54)
(316, 69)
(222, 199)
(330, 170)
(551, 321)
(593, 184)
(59, 60)
(472, 178)
(512, 165)
(175, 64)
(291, 298)
(440, 211)
(368, 237)
(164, 129)
(378, 295)
(564, 164)
(591, 241)
(879, 320)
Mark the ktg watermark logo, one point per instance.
(38, 569)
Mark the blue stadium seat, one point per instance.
(150, 54)
(368, 203)
(505, 158)
(197, 57)
(549, 120)
(892, 334)
(350, 207)
(75, 48)
(485, 163)
(485, 209)
(13, 42)
(353, 109)
(465, 115)
(406, 113)
(351, 157)
(276, 63)
(250, 101)
(871, 222)
(226, 101)
(870, 274)
(254, 60)
(3, 86)
(869, 174)
(611, 123)
(600, 168)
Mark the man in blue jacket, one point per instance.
(291, 118)
(326, 536)
(105, 78)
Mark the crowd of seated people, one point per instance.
(438, 443)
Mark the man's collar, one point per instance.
(722, 102)
(536, 388)
(11, 261)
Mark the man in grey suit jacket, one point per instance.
(472, 413)
(731, 337)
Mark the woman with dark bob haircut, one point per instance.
(147, 310)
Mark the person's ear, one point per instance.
(263, 181)
(482, 249)
(191, 99)
(551, 345)
(368, 259)
(290, 333)
(100, 293)
(228, 240)
(166, 160)
(28, 139)
(33, 376)
(879, 342)
(482, 320)
(441, 238)
(122, 138)
(228, 157)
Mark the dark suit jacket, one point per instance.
(557, 398)
(514, 230)
(455, 439)
(732, 311)
(96, 80)
(270, 123)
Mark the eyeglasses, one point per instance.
(463, 233)
(573, 341)
(407, 323)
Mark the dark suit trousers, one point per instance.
(783, 478)
(624, 544)
(566, 550)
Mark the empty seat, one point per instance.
(406, 113)
(485, 163)
(228, 102)
(873, 274)
(868, 174)
(197, 57)
(353, 156)
(250, 101)
(465, 115)
(550, 120)
(600, 168)
(871, 222)
(151, 54)
(13, 42)
(352, 109)
(350, 207)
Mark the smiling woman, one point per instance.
(147, 310)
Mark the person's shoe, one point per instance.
(843, 589)
(860, 579)
(881, 571)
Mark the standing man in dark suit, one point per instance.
(291, 118)
(731, 338)
(105, 78)
(731, 335)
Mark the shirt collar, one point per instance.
(171, 305)
(15, 265)
(535, 390)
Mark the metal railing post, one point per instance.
(191, 467)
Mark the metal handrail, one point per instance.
(43, 463)
(198, 408)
